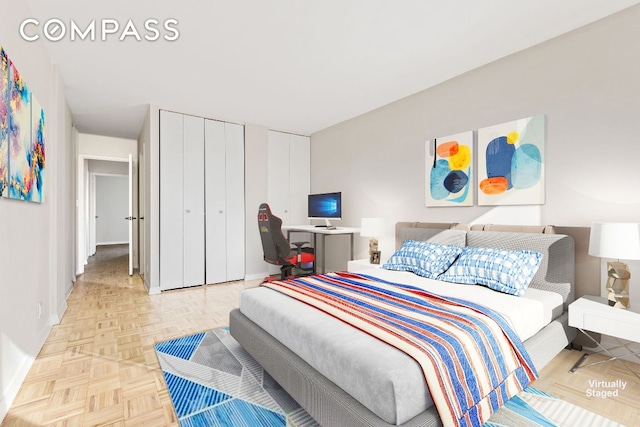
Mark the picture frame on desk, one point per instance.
(375, 257)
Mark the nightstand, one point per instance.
(594, 314)
(361, 264)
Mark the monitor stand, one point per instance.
(326, 225)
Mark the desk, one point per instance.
(322, 232)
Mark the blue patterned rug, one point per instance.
(213, 381)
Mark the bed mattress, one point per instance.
(382, 378)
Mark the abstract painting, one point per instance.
(19, 135)
(25, 140)
(4, 123)
(449, 167)
(511, 163)
(36, 155)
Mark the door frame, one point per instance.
(83, 200)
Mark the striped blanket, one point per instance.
(473, 362)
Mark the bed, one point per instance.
(343, 376)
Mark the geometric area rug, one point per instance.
(213, 381)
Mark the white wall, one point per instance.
(585, 82)
(35, 256)
(108, 167)
(112, 206)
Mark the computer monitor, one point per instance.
(325, 206)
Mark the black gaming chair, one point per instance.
(277, 249)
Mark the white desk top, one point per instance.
(321, 230)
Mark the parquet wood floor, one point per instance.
(98, 366)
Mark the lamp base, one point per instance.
(618, 284)
(373, 246)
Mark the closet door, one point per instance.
(299, 178)
(234, 161)
(171, 200)
(193, 193)
(216, 209)
(278, 168)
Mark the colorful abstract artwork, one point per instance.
(35, 157)
(449, 168)
(511, 163)
(4, 123)
(22, 130)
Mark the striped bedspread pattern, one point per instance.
(473, 362)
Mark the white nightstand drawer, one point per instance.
(595, 315)
(612, 327)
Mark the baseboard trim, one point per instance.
(8, 395)
(256, 276)
(112, 243)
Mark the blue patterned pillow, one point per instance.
(425, 259)
(499, 269)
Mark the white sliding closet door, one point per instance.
(288, 176)
(171, 201)
(224, 159)
(278, 175)
(215, 178)
(299, 178)
(235, 201)
(202, 216)
(193, 194)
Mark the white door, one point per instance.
(299, 178)
(278, 175)
(193, 191)
(216, 210)
(131, 218)
(171, 200)
(234, 160)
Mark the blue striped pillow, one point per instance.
(499, 269)
(425, 259)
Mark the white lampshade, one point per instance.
(615, 240)
(372, 227)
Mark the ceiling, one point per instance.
(292, 65)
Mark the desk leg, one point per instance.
(324, 252)
(352, 240)
(315, 251)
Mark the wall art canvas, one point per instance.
(449, 170)
(4, 123)
(511, 163)
(36, 155)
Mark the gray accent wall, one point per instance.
(586, 82)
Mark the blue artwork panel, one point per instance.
(449, 163)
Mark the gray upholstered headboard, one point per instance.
(557, 269)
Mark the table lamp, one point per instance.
(621, 241)
(372, 227)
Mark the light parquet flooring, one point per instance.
(98, 367)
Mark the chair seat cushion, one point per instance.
(306, 258)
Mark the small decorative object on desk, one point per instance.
(375, 257)
(621, 241)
